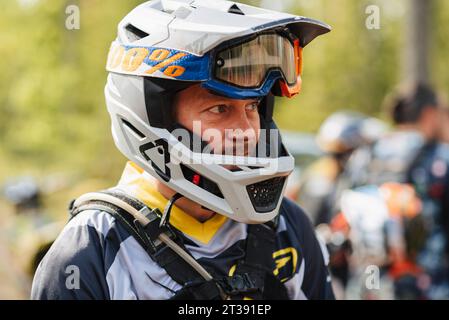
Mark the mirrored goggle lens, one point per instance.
(247, 64)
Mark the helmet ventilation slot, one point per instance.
(265, 195)
(134, 34)
(132, 128)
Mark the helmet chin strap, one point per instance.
(165, 218)
(166, 214)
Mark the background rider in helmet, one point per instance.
(185, 81)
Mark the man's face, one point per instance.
(235, 121)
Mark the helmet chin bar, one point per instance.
(210, 186)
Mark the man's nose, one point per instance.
(243, 128)
(242, 137)
(242, 121)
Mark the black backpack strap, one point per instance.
(234, 286)
(259, 263)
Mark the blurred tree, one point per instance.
(352, 67)
(439, 50)
(51, 92)
(416, 50)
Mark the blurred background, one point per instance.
(55, 140)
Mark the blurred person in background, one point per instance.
(27, 229)
(384, 227)
(412, 154)
(339, 135)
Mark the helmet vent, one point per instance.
(134, 33)
(235, 10)
(202, 182)
(265, 195)
(132, 128)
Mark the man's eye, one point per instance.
(218, 109)
(252, 106)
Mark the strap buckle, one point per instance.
(151, 231)
(238, 284)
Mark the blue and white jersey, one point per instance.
(94, 257)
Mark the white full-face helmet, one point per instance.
(231, 49)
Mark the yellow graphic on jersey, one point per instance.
(283, 257)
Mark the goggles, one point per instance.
(239, 69)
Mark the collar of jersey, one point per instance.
(134, 183)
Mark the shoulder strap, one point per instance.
(259, 262)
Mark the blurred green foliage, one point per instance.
(53, 115)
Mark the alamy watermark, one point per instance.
(72, 281)
(73, 19)
(372, 280)
(372, 21)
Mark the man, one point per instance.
(411, 154)
(190, 94)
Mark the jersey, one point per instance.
(94, 257)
